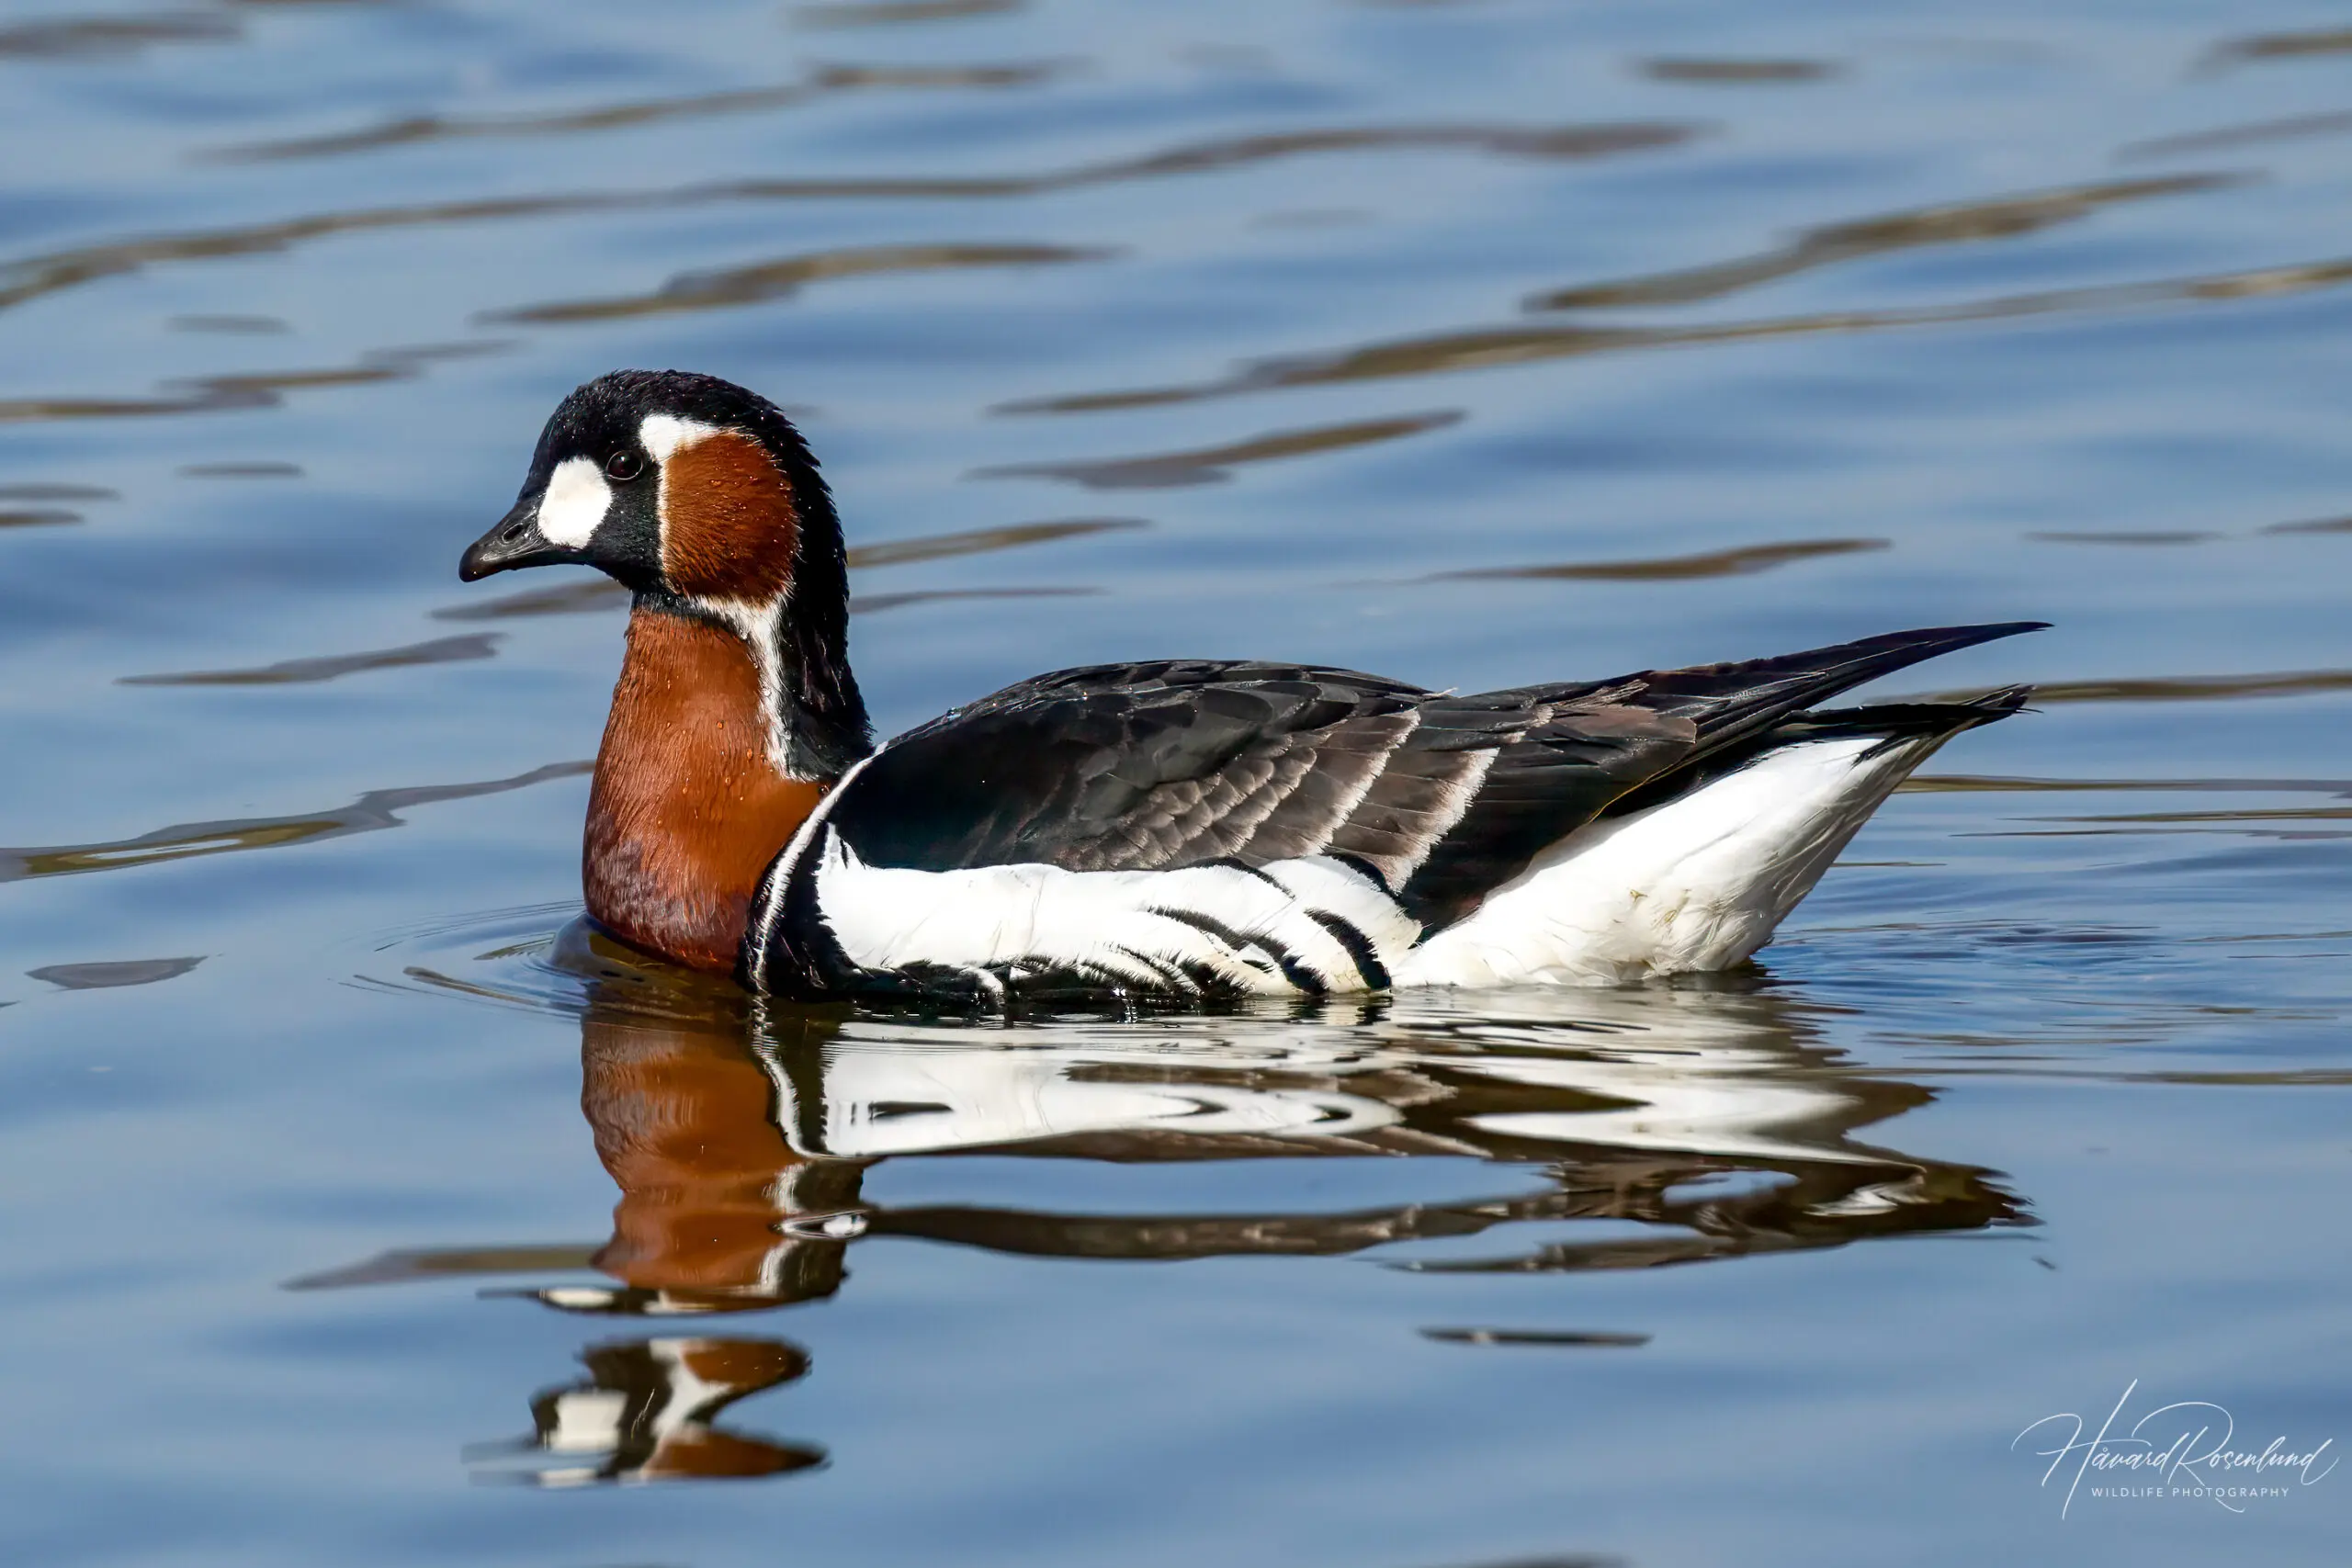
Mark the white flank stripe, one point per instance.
(1696, 883)
(1110, 921)
(1321, 883)
(780, 870)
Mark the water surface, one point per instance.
(364, 1210)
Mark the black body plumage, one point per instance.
(1437, 798)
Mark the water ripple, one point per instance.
(821, 83)
(1963, 222)
(602, 593)
(378, 808)
(2182, 688)
(1727, 73)
(253, 390)
(108, 975)
(787, 275)
(2258, 47)
(79, 38)
(303, 672)
(1213, 465)
(1498, 347)
(30, 277)
(897, 13)
(1744, 561)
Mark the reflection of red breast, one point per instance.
(681, 1120)
(722, 1371)
(708, 1453)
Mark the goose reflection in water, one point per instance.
(645, 1413)
(739, 1137)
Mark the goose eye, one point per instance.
(623, 466)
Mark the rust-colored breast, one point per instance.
(686, 811)
(728, 526)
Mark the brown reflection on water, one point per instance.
(2229, 137)
(2158, 536)
(41, 514)
(2186, 688)
(1716, 73)
(58, 493)
(1744, 561)
(1933, 783)
(780, 278)
(233, 325)
(1518, 141)
(241, 471)
(120, 972)
(897, 13)
(2259, 47)
(81, 38)
(1213, 465)
(738, 1135)
(375, 809)
(718, 1212)
(1567, 1337)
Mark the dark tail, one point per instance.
(1735, 745)
(1565, 774)
(1731, 702)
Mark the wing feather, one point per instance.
(1171, 763)
(1132, 767)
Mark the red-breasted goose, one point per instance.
(1172, 828)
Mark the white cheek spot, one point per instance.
(575, 502)
(663, 434)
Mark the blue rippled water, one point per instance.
(361, 1210)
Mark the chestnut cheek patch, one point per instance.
(728, 526)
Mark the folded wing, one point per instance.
(1437, 799)
(1174, 763)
